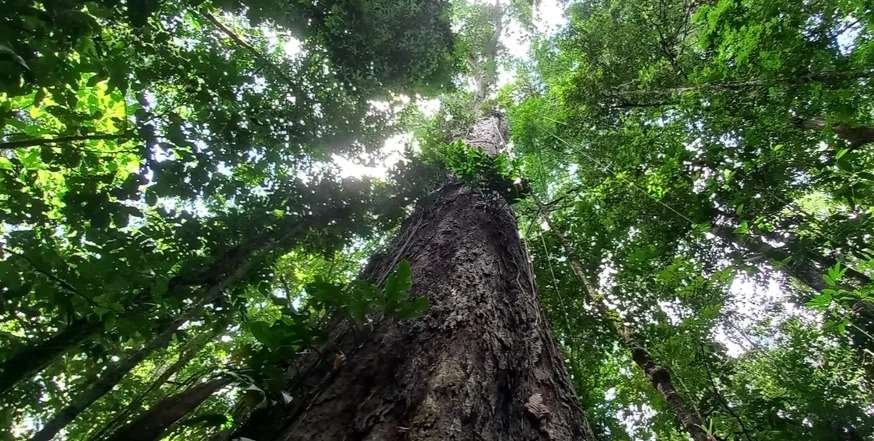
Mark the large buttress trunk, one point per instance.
(479, 365)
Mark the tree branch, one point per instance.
(72, 138)
(825, 77)
(245, 45)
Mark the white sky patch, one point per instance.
(751, 303)
(516, 40)
(428, 107)
(607, 279)
(848, 39)
(549, 16)
(292, 47)
(635, 418)
(289, 46)
(732, 347)
(675, 310)
(505, 76)
(388, 156)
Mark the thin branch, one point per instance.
(73, 138)
(61, 282)
(245, 45)
(709, 369)
(740, 85)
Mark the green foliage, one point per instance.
(153, 153)
(479, 169)
(646, 128)
(282, 332)
(708, 163)
(362, 301)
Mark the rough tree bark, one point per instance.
(480, 365)
(150, 425)
(659, 377)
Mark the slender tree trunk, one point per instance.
(658, 376)
(855, 136)
(224, 272)
(187, 353)
(105, 382)
(480, 365)
(828, 77)
(27, 363)
(152, 424)
(249, 400)
(808, 269)
(109, 378)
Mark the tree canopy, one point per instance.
(693, 181)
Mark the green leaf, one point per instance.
(412, 309)
(151, 198)
(263, 332)
(834, 275)
(357, 308)
(820, 302)
(398, 282)
(324, 293)
(30, 158)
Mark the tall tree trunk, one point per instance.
(486, 69)
(659, 377)
(114, 374)
(152, 424)
(27, 363)
(223, 272)
(481, 364)
(190, 349)
(105, 382)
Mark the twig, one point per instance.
(245, 45)
(61, 282)
(42, 141)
